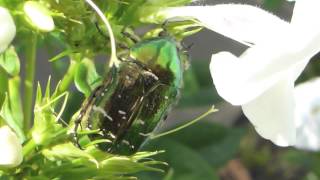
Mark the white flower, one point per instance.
(38, 16)
(262, 79)
(10, 148)
(7, 30)
(307, 98)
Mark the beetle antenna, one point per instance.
(211, 110)
(113, 58)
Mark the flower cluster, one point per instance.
(37, 16)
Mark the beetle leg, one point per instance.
(84, 110)
(131, 36)
(100, 30)
(87, 107)
(74, 134)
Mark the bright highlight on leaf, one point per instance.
(38, 16)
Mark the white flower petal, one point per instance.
(307, 115)
(305, 23)
(240, 80)
(7, 30)
(10, 148)
(306, 14)
(272, 114)
(243, 23)
(262, 78)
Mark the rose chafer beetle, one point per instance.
(135, 96)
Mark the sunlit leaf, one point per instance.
(7, 115)
(15, 100)
(9, 61)
(86, 77)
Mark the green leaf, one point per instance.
(15, 100)
(93, 163)
(48, 89)
(10, 62)
(66, 151)
(45, 129)
(7, 116)
(38, 96)
(3, 85)
(86, 77)
(123, 165)
(61, 55)
(80, 80)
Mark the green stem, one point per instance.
(211, 110)
(68, 77)
(30, 66)
(113, 57)
(28, 148)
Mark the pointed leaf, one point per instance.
(6, 114)
(61, 55)
(15, 100)
(38, 96)
(48, 88)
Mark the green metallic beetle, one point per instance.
(134, 97)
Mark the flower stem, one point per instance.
(28, 148)
(31, 51)
(68, 77)
(211, 110)
(113, 58)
